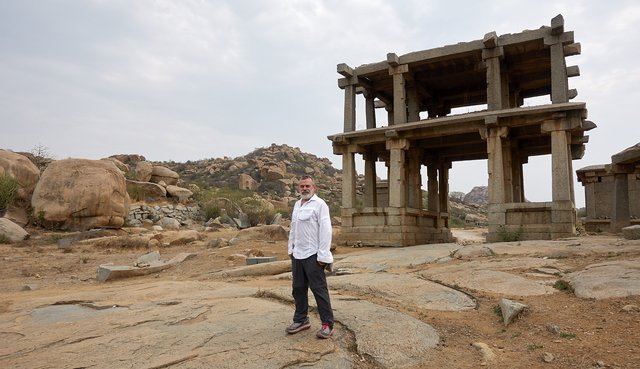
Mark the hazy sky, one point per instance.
(195, 79)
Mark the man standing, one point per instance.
(310, 251)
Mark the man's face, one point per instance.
(306, 188)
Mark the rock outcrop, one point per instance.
(479, 195)
(160, 173)
(22, 169)
(11, 232)
(79, 194)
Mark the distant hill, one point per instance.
(275, 168)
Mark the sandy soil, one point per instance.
(592, 333)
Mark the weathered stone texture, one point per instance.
(79, 194)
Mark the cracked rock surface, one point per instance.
(415, 307)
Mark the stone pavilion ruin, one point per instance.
(418, 90)
(612, 192)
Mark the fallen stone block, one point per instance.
(12, 232)
(510, 310)
(271, 268)
(260, 259)
(147, 259)
(110, 272)
(631, 232)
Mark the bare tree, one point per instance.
(41, 156)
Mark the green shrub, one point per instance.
(505, 235)
(564, 286)
(8, 188)
(258, 210)
(497, 310)
(457, 222)
(137, 192)
(210, 210)
(567, 335)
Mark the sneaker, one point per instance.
(296, 327)
(325, 331)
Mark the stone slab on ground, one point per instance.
(495, 276)
(272, 268)
(383, 259)
(631, 232)
(373, 326)
(111, 272)
(163, 324)
(406, 289)
(609, 279)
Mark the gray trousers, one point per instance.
(307, 273)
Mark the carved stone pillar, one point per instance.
(398, 71)
(397, 182)
(443, 193)
(415, 180)
(413, 104)
(517, 175)
(492, 56)
(433, 203)
(370, 185)
(348, 179)
(495, 163)
(349, 108)
(620, 213)
(556, 41)
(370, 109)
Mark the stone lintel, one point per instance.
(490, 40)
(350, 81)
(557, 25)
(565, 38)
(339, 139)
(496, 52)
(619, 168)
(560, 125)
(361, 83)
(399, 69)
(572, 49)
(398, 144)
(346, 148)
(391, 133)
(589, 179)
(573, 71)
(345, 70)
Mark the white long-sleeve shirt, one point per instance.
(310, 231)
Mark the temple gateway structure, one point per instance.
(418, 91)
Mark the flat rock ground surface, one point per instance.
(428, 306)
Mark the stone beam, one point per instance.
(572, 49)
(573, 71)
(345, 70)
